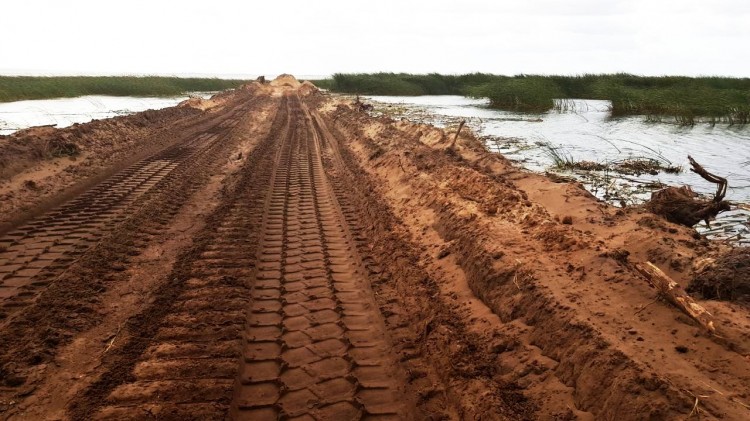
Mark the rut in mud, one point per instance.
(315, 341)
(34, 253)
(270, 316)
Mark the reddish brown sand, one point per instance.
(274, 253)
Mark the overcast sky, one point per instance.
(222, 37)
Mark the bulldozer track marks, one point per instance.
(314, 343)
(275, 318)
(35, 253)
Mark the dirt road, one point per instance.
(277, 254)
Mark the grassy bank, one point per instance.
(682, 99)
(15, 88)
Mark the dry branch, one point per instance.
(455, 138)
(676, 295)
(721, 182)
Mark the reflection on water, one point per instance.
(63, 112)
(587, 133)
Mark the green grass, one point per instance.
(15, 88)
(684, 100)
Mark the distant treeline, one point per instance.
(717, 99)
(15, 88)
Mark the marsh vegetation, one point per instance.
(677, 99)
(16, 88)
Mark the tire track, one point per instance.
(72, 302)
(32, 255)
(276, 283)
(181, 361)
(315, 345)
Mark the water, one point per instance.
(65, 112)
(588, 133)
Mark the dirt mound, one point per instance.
(194, 102)
(25, 148)
(40, 162)
(286, 80)
(727, 278)
(39, 131)
(307, 88)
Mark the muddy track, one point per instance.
(35, 253)
(289, 257)
(70, 299)
(270, 316)
(316, 344)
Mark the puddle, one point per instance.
(64, 112)
(586, 132)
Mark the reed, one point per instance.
(679, 99)
(15, 88)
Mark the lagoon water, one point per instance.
(587, 132)
(63, 112)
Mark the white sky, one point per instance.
(303, 37)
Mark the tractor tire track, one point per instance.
(35, 253)
(269, 316)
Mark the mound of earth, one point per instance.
(307, 88)
(194, 102)
(286, 80)
(727, 278)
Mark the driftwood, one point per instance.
(676, 295)
(682, 206)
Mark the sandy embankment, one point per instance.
(582, 332)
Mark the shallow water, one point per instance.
(64, 112)
(588, 133)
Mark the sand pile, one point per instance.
(286, 80)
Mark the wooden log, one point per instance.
(676, 295)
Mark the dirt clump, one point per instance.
(682, 205)
(727, 278)
(195, 102)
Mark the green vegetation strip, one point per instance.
(16, 88)
(685, 99)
